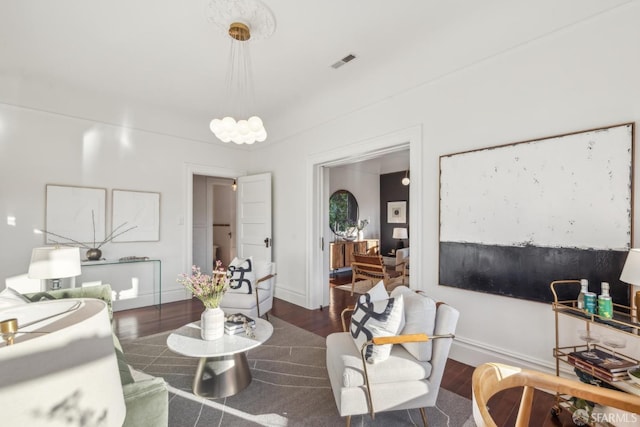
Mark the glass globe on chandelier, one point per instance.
(242, 131)
(242, 20)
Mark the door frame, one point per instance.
(317, 264)
(191, 169)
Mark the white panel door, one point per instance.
(254, 217)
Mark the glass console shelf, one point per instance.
(157, 290)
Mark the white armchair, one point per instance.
(410, 377)
(260, 301)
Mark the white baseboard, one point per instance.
(475, 353)
(175, 295)
(149, 300)
(289, 295)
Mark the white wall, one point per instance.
(581, 77)
(38, 148)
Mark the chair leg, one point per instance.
(348, 420)
(423, 414)
(266, 315)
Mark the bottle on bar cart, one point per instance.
(605, 305)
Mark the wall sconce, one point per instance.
(234, 186)
(406, 180)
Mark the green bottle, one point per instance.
(605, 305)
(584, 288)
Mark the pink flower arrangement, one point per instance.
(208, 289)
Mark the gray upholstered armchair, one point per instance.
(410, 377)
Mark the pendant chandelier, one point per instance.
(242, 20)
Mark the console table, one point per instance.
(341, 252)
(113, 274)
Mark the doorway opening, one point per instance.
(192, 200)
(358, 215)
(214, 221)
(320, 168)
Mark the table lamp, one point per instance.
(61, 369)
(631, 273)
(400, 234)
(54, 262)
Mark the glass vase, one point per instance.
(212, 323)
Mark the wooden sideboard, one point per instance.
(341, 252)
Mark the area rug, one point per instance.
(290, 387)
(361, 287)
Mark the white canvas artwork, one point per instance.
(515, 217)
(567, 191)
(137, 209)
(77, 213)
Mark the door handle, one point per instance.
(267, 241)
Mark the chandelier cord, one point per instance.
(242, 20)
(239, 87)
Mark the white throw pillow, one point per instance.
(376, 318)
(10, 298)
(378, 292)
(242, 275)
(420, 318)
(262, 269)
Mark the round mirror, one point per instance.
(343, 213)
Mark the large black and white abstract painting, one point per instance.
(515, 217)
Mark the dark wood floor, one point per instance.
(131, 324)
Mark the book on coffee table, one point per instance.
(234, 323)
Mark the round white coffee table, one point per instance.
(223, 369)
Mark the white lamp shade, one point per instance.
(631, 270)
(54, 263)
(400, 233)
(71, 370)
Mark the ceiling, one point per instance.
(159, 65)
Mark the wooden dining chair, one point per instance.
(491, 378)
(371, 267)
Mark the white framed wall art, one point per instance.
(138, 209)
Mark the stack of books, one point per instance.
(604, 366)
(235, 323)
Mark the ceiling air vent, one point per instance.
(343, 61)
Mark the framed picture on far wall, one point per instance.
(75, 214)
(138, 211)
(397, 212)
